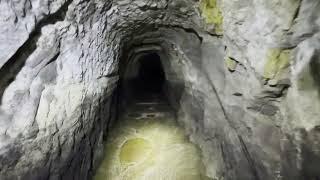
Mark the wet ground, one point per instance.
(148, 144)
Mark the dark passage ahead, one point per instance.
(151, 75)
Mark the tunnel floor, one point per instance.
(148, 144)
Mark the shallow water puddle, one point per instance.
(134, 151)
(150, 148)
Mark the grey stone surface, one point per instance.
(60, 62)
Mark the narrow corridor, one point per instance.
(148, 144)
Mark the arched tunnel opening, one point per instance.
(148, 76)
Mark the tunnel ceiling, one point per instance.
(241, 75)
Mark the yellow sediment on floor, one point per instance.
(134, 151)
(150, 149)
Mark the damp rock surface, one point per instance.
(242, 77)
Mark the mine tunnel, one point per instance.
(150, 74)
(145, 78)
(146, 133)
(159, 90)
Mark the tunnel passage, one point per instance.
(147, 142)
(143, 79)
(150, 77)
(234, 61)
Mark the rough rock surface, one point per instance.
(243, 76)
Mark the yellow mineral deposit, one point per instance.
(150, 149)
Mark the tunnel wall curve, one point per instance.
(173, 85)
(198, 100)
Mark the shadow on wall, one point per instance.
(315, 66)
(310, 153)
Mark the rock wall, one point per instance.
(55, 88)
(242, 75)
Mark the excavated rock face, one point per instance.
(242, 75)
